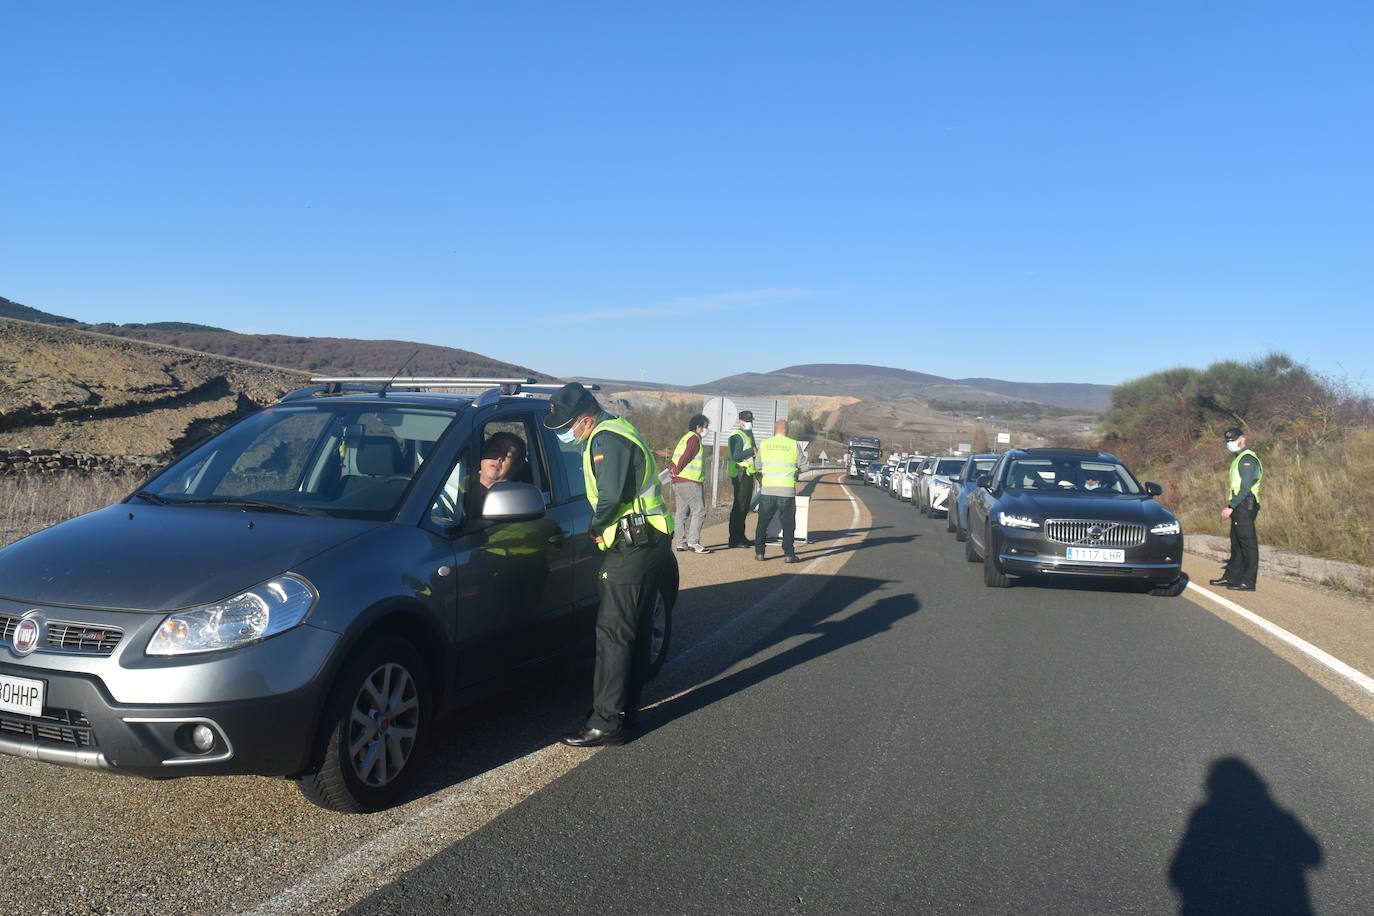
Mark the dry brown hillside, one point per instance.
(334, 355)
(80, 391)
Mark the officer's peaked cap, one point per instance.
(568, 403)
(1235, 432)
(747, 416)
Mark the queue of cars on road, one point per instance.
(1046, 513)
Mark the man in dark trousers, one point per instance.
(633, 529)
(741, 466)
(1242, 506)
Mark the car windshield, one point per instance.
(864, 454)
(340, 459)
(1071, 475)
(948, 467)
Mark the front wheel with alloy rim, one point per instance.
(992, 576)
(970, 552)
(377, 720)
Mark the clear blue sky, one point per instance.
(1039, 191)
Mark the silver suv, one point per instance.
(302, 594)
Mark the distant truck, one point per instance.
(863, 451)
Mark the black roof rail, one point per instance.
(1084, 452)
(313, 390)
(550, 388)
(338, 384)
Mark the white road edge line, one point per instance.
(318, 886)
(1355, 676)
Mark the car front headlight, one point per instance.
(1167, 528)
(1007, 520)
(264, 610)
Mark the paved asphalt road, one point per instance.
(870, 731)
(907, 740)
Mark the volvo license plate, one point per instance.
(21, 695)
(1097, 555)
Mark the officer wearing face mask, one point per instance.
(632, 527)
(1242, 506)
(742, 466)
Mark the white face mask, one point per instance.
(1233, 447)
(747, 426)
(567, 436)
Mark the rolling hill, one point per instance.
(882, 383)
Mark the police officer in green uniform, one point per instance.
(1242, 506)
(741, 466)
(633, 529)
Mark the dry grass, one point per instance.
(1315, 501)
(31, 503)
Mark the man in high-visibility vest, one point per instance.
(781, 460)
(1242, 507)
(631, 526)
(689, 492)
(741, 466)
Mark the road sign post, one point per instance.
(718, 412)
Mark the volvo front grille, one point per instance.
(1094, 534)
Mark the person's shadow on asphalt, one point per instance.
(829, 635)
(1242, 853)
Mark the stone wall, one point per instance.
(17, 461)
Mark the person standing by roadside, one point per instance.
(741, 466)
(689, 491)
(782, 460)
(631, 526)
(1242, 506)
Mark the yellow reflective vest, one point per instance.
(1234, 483)
(696, 468)
(749, 464)
(778, 461)
(649, 499)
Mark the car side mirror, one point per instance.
(984, 481)
(927, 471)
(512, 501)
(1153, 489)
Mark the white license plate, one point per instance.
(21, 695)
(1097, 555)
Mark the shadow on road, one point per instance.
(531, 713)
(1242, 853)
(809, 620)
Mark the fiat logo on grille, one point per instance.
(28, 633)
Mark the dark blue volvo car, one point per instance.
(1072, 512)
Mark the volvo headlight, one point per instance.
(1167, 528)
(1008, 520)
(264, 610)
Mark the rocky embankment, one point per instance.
(55, 461)
(74, 399)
